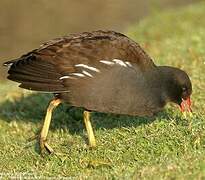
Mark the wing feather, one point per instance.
(35, 74)
(42, 68)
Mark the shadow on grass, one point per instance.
(32, 108)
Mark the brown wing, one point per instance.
(42, 69)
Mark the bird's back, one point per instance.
(102, 70)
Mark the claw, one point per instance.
(45, 146)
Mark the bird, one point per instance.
(101, 71)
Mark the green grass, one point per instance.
(167, 146)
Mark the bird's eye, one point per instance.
(184, 88)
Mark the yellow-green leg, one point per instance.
(44, 131)
(91, 137)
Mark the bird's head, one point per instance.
(178, 87)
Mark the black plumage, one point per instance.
(139, 89)
(101, 71)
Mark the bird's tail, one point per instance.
(34, 74)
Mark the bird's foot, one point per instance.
(92, 143)
(44, 146)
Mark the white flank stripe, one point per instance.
(128, 63)
(78, 74)
(65, 77)
(120, 62)
(87, 73)
(88, 67)
(107, 62)
(10, 64)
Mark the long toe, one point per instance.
(44, 146)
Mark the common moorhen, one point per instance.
(102, 71)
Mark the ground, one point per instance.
(167, 146)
